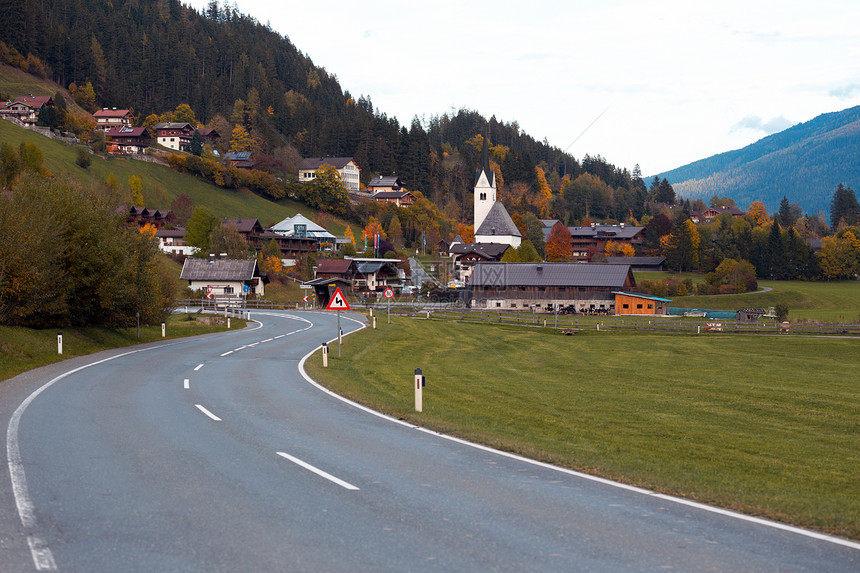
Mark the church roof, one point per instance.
(498, 222)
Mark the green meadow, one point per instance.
(761, 424)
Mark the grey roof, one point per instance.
(172, 125)
(237, 155)
(370, 267)
(498, 222)
(606, 231)
(218, 270)
(317, 162)
(392, 181)
(636, 261)
(391, 194)
(487, 250)
(550, 274)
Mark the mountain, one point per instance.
(804, 163)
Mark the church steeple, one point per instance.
(485, 185)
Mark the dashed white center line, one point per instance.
(228, 352)
(267, 340)
(319, 472)
(186, 383)
(199, 366)
(280, 336)
(208, 413)
(253, 344)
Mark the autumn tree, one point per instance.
(240, 139)
(198, 230)
(466, 232)
(758, 213)
(182, 207)
(226, 239)
(10, 165)
(372, 230)
(31, 157)
(682, 247)
(327, 192)
(395, 232)
(616, 249)
(349, 235)
(559, 244)
(135, 183)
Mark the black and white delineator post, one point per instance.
(163, 329)
(59, 343)
(338, 303)
(419, 383)
(325, 354)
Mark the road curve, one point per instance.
(216, 454)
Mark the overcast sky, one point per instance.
(659, 83)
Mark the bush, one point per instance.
(83, 158)
(781, 310)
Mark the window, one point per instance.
(498, 305)
(513, 305)
(639, 306)
(483, 196)
(650, 306)
(625, 305)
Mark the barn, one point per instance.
(547, 287)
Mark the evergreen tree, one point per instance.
(844, 207)
(682, 253)
(196, 145)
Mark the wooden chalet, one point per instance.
(345, 269)
(108, 118)
(589, 240)
(174, 135)
(465, 256)
(548, 287)
(126, 140)
(142, 216)
(25, 109)
(385, 183)
(291, 248)
(240, 159)
(400, 198)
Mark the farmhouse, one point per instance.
(126, 140)
(172, 242)
(575, 287)
(228, 280)
(25, 108)
(589, 240)
(110, 118)
(174, 135)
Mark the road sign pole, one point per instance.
(389, 311)
(339, 334)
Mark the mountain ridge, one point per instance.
(804, 163)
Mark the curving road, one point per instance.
(217, 454)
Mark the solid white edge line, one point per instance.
(43, 559)
(717, 510)
(319, 472)
(186, 384)
(208, 413)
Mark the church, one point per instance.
(493, 224)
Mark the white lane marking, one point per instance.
(228, 352)
(267, 340)
(280, 336)
(253, 344)
(208, 413)
(574, 473)
(198, 367)
(43, 559)
(186, 383)
(319, 472)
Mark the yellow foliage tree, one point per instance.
(466, 232)
(372, 229)
(758, 212)
(270, 264)
(240, 139)
(616, 249)
(149, 230)
(349, 235)
(135, 183)
(544, 193)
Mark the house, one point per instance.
(227, 280)
(172, 242)
(713, 212)
(110, 118)
(291, 247)
(345, 269)
(25, 108)
(302, 227)
(174, 135)
(142, 216)
(209, 135)
(589, 240)
(400, 198)
(638, 264)
(373, 275)
(346, 166)
(386, 183)
(492, 222)
(240, 159)
(574, 287)
(465, 256)
(638, 303)
(126, 140)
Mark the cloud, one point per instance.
(845, 92)
(756, 123)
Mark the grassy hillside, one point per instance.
(764, 425)
(161, 185)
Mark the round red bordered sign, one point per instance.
(388, 293)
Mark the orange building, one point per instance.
(638, 303)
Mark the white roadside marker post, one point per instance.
(59, 343)
(325, 354)
(163, 329)
(419, 381)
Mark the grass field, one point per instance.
(23, 349)
(766, 425)
(826, 301)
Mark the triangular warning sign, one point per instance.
(338, 301)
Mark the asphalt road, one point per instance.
(216, 454)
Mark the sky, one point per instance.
(656, 83)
